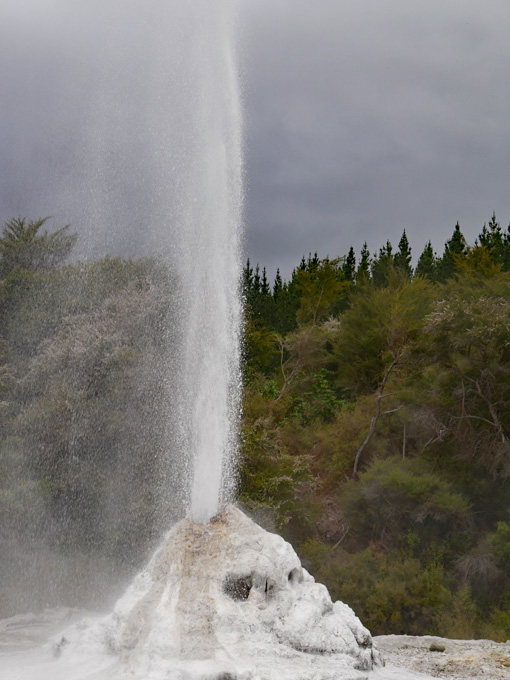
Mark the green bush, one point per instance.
(395, 495)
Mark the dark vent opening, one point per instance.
(238, 588)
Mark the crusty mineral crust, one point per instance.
(233, 598)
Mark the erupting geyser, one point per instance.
(209, 224)
(221, 598)
(207, 218)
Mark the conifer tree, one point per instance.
(506, 250)
(382, 265)
(312, 262)
(427, 263)
(247, 277)
(454, 249)
(349, 265)
(493, 240)
(264, 286)
(256, 280)
(402, 258)
(278, 285)
(363, 270)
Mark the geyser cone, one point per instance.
(229, 600)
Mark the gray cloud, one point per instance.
(371, 117)
(362, 118)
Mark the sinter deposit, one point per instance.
(225, 600)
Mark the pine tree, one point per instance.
(247, 278)
(264, 286)
(363, 270)
(349, 265)
(427, 263)
(493, 240)
(454, 250)
(506, 250)
(402, 258)
(382, 265)
(256, 280)
(312, 263)
(278, 285)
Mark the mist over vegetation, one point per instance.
(375, 433)
(88, 478)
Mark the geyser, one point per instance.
(221, 598)
(224, 600)
(208, 222)
(210, 225)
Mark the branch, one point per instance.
(492, 411)
(441, 432)
(467, 416)
(287, 379)
(342, 538)
(373, 422)
(393, 410)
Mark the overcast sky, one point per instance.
(362, 117)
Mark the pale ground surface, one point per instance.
(25, 654)
(462, 659)
(226, 601)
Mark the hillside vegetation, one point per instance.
(375, 433)
(376, 429)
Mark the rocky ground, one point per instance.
(443, 658)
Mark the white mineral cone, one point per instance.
(228, 600)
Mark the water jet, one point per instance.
(221, 597)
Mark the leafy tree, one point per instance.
(371, 357)
(501, 542)
(320, 286)
(22, 246)
(257, 294)
(395, 495)
(380, 324)
(312, 262)
(286, 304)
(260, 349)
(470, 335)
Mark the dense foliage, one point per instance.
(375, 433)
(377, 424)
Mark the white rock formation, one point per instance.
(226, 600)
